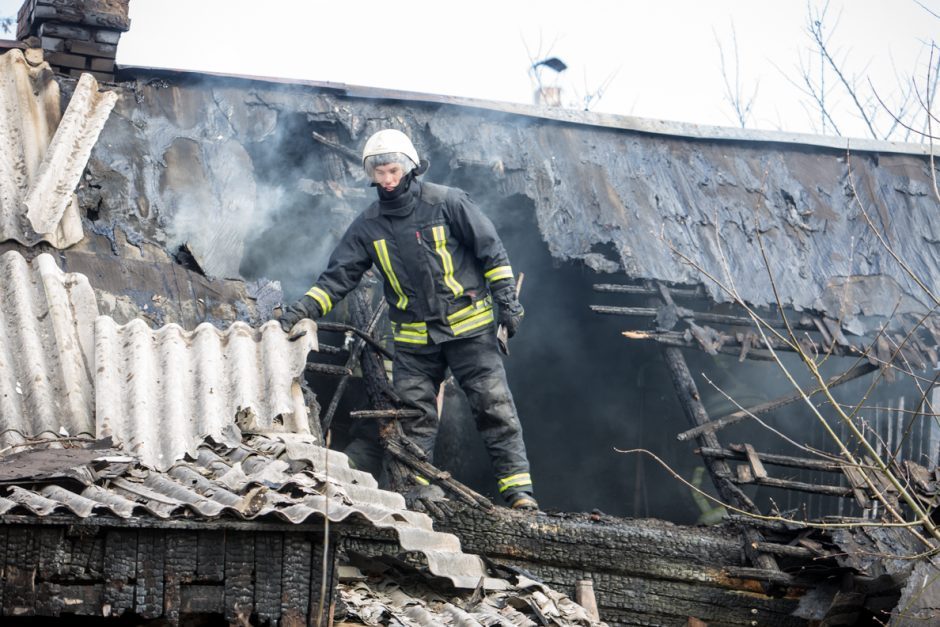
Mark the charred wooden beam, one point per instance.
(737, 416)
(348, 328)
(386, 414)
(650, 569)
(700, 316)
(799, 486)
(329, 369)
(737, 453)
(785, 550)
(720, 473)
(349, 153)
(760, 574)
(354, 357)
(732, 345)
(642, 290)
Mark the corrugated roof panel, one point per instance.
(46, 350)
(159, 393)
(53, 188)
(29, 118)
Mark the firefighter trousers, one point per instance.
(478, 368)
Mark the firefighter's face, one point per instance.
(388, 176)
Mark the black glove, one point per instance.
(510, 309)
(306, 307)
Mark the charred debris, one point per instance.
(727, 363)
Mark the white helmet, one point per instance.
(386, 142)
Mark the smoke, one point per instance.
(273, 204)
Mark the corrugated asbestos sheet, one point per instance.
(46, 350)
(382, 600)
(160, 392)
(43, 156)
(284, 477)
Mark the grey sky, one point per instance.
(663, 55)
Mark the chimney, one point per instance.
(76, 36)
(548, 96)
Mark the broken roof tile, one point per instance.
(44, 152)
(276, 487)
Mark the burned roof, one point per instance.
(642, 200)
(286, 478)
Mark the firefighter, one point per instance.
(447, 281)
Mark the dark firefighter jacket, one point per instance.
(438, 259)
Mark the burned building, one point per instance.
(163, 452)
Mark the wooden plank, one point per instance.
(201, 598)
(54, 599)
(3, 561)
(859, 486)
(269, 555)
(120, 570)
(756, 466)
(210, 556)
(82, 554)
(19, 573)
(179, 568)
(51, 559)
(295, 579)
(239, 577)
(320, 607)
(151, 549)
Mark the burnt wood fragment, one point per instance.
(295, 579)
(19, 572)
(210, 556)
(239, 577)
(269, 556)
(54, 599)
(120, 570)
(201, 598)
(151, 550)
(737, 452)
(742, 414)
(179, 568)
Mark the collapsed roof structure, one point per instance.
(163, 447)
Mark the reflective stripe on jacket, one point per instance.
(439, 261)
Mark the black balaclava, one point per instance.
(400, 201)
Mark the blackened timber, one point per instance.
(210, 555)
(799, 486)
(643, 290)
(785, 550)
(354, 356)
(350, 154)
(269, 556)
(343, 328)
(19, 592)
(120, 569)
(179, 568)
(759, 574)
(737, 453)
(701, 316)
(329, 369)
(151, 549)
(640, 568)
(386, 414)
(295, 580)
(737, 416)
(731, 345)
(239, 572)
(718, 469)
